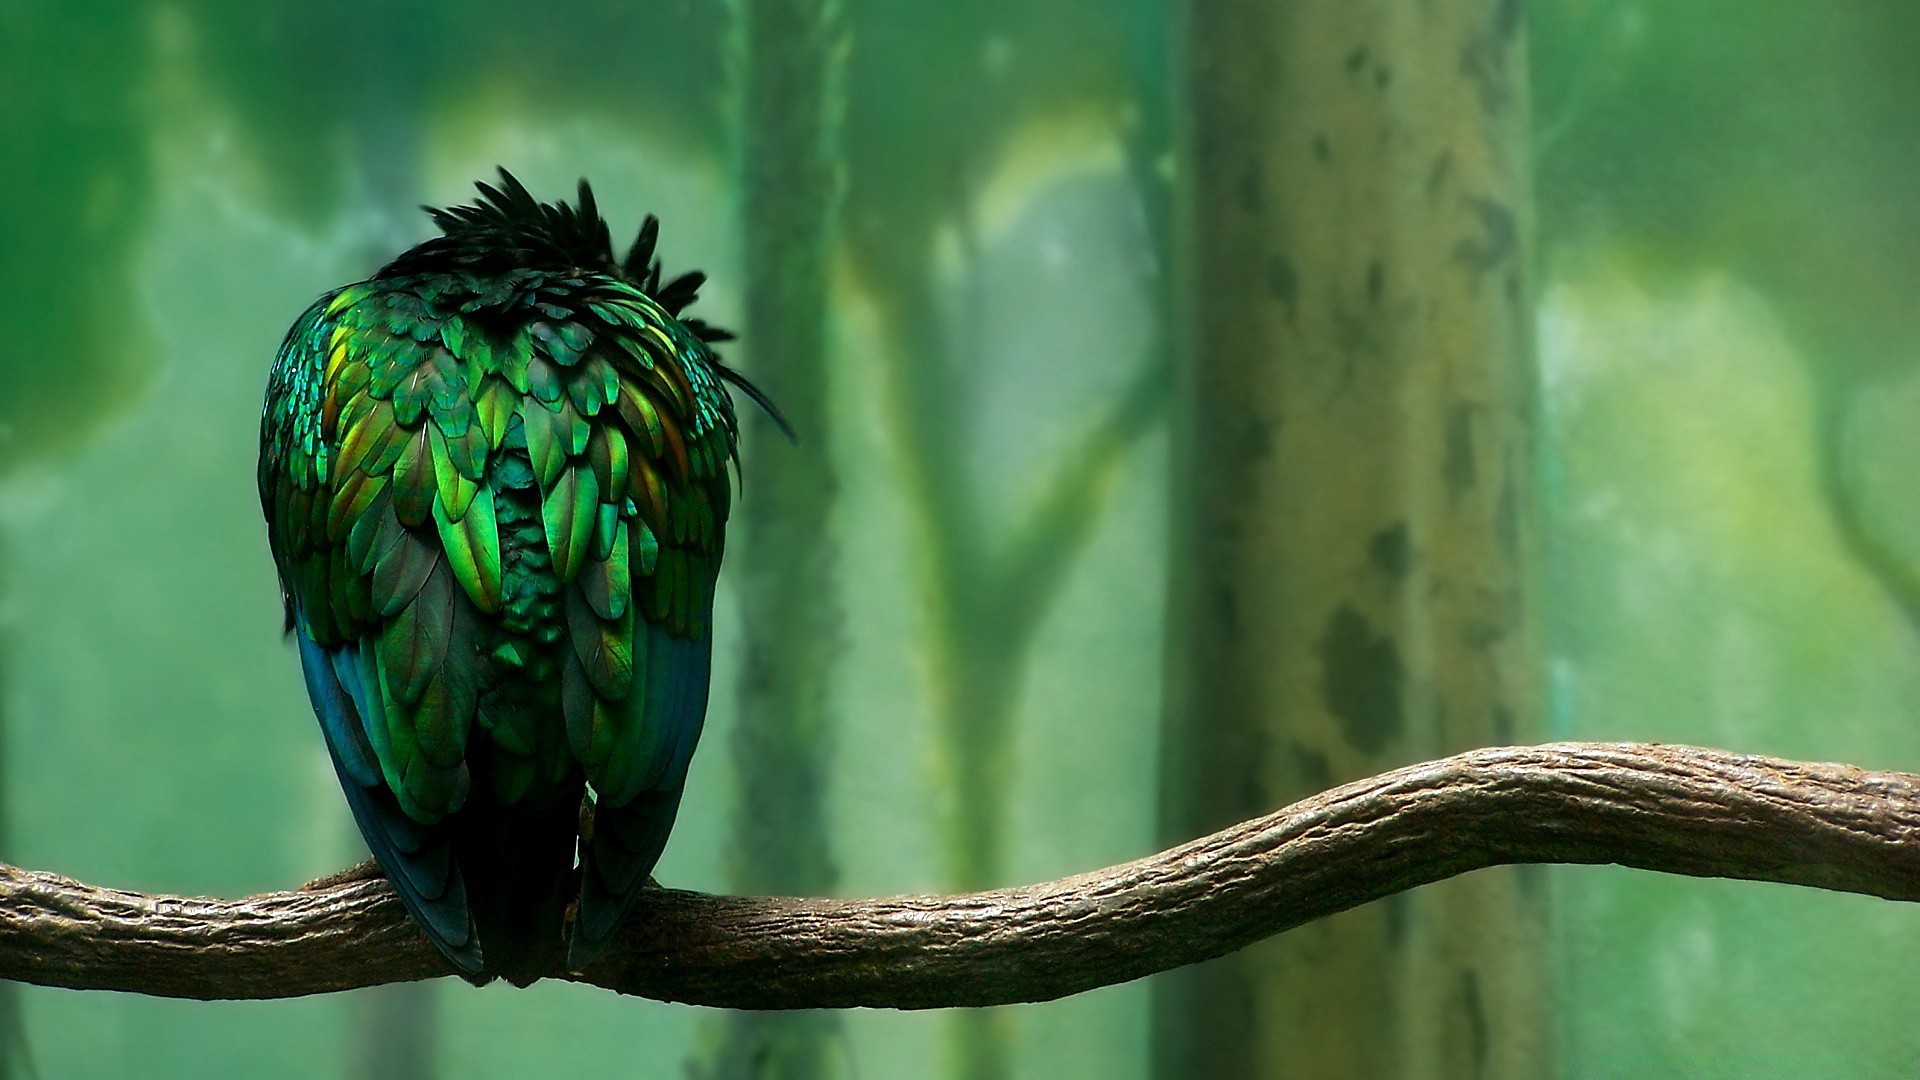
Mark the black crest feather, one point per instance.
(507, 229)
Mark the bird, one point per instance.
(496, 482)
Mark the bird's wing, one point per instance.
(661, 444)
(371, 452)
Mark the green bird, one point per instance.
(495, 477)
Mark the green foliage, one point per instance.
(1751, 136)
(337, 99)
(73, 147)
(1733, 245)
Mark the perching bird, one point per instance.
(496, 485)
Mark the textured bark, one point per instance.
(1682, 810)
(788, 54)
(1353, 546)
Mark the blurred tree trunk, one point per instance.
(396, 1032)
(940, 96)
(986, 596)
(1353, 541)
(788, 56)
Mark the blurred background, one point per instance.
(1200, 404)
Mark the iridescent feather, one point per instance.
(495, 480)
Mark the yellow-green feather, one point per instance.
(472, 543)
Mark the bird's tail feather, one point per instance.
(627, 842)
(519, 865)
(417, 859)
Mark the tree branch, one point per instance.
(1682, 810)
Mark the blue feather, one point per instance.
(417, 858)
(628, 837)
(627, 842)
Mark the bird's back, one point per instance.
(496, 484)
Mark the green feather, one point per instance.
(607, 580)
(444, 714)
(338, 583)
(508, 730)
(462, 341)
(567, 509)
(607, 451)
(636, 739)
(646, 550)
(363, 432)
(637, 409)
(543, 442)
(563, 344)
(468, 453)
(413, 644)
(585, 713)
(454, 489)
(583, 390)
(446, 386)
(400, 571)
(375, 444)
(374, 534)
(472, 543)
(414, 481)
(351, 380)
(512, 360)
(410, 396)
(543, 382)
(572, 428)
(356, 493)
(603, 647)
(605, 521)
(386, 360)
(574, 338)
(495, 405)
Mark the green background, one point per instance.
(1729, 233)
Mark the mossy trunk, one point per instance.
(1353, 568)
(783, 744)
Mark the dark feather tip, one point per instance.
(709, 333)
(507, 229)
(759, 398)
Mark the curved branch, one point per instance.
(1682, 810)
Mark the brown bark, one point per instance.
(1682, 810)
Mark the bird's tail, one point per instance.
(627, 842)
(415, 857)
(518, 862)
